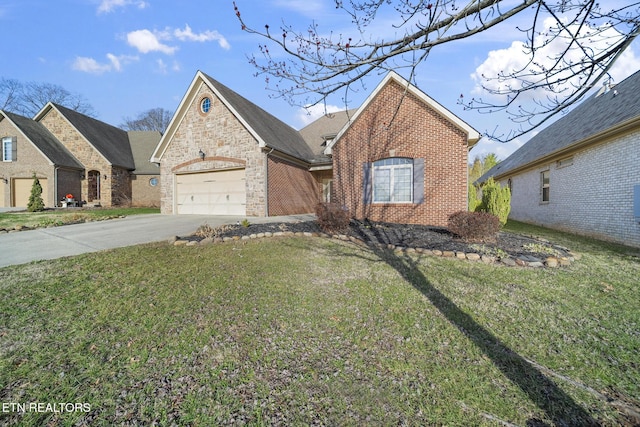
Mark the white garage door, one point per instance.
(22, 191)
(212, 193)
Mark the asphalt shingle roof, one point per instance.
(326, 127)
(46, 142)
(142, 145)
(274, 132)
(596, 114)
(110, 141)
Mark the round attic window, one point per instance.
(205, 105)
(153, 182)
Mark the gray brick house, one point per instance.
(582, 173)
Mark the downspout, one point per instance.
(55, 186)
(266, 182)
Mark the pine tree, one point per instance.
(496, 200)
(474, 200)
(36, 204)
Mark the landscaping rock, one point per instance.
(551, 262)
(508, 249)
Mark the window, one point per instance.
(205, 105)
(393, 180)
(153, 182)
(9, 149)
(544, 181)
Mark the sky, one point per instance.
(126, 57)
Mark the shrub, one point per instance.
(496, 200)
(35, 204)
(332, 217)
(474, 226)
(474, 200)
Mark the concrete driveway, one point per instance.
(56, 242)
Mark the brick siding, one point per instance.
(143, 194)
(396, 124)
(592, 196)
(292, 189)
(29, 160)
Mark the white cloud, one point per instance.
(308, 115)
(107, 6)
(163, 67)
(146, 41)
(90, 65)
(188, 35)
(515, 58)
(154, 41)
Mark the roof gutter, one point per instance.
(595, 139)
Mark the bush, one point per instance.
(35, 204)
(496, 200)
(474, 200)
(332, 217)
(474, 226)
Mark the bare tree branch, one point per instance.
(28, 98)
(318, 65)
(156, 119)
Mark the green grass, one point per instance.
(55, 217)
(302, 331)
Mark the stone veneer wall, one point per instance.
(226, 144)
(84, 152)
(416, 131)
(592, 196)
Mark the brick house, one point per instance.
(402, 158)
(222, 154)
(581, 174)
(75, 154)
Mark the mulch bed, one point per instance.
(412, 236)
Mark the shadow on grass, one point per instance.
(542, 391)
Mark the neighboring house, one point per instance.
(582, 173)
(145, 178)
(73, 154)
(222, 154)
(28, 148)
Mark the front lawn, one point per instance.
(299, 331)
(55, 217)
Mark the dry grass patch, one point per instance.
(302, 331)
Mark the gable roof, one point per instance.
(472, 135)
(268, 130)
(111, 142)
(321, 131)
(142, 145)
(43, 140)
(605, 113)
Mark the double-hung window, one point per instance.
(544, 183)
(9, 149)
(393, 180)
